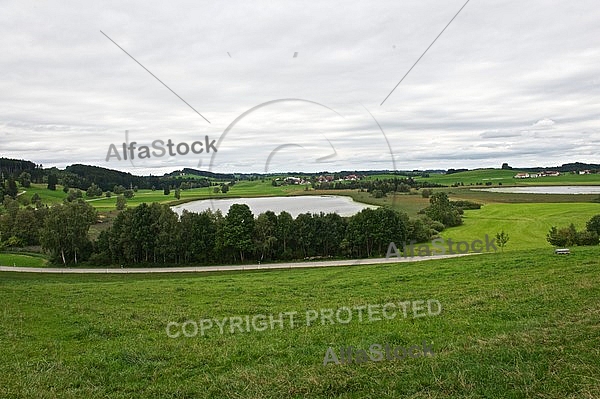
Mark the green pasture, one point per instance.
(47, 196)
(523, 324)
(17, 259)
(505, 176)
(526, 224)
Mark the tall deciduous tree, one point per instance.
(304, 234)
(65, 231)
(198, 235)
(25, 179)
(121, 202)
(238, 229)
(265, 234)
(52, 182)
(11, 188)
(285, 224)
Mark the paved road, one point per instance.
(193, 269)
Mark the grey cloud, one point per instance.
(499, 69)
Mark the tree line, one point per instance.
(155, 234)
(378, 187)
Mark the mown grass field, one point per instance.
(513, 325)
(17, 259)
(48, 196)
(526, 224)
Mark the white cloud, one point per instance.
(544, 124)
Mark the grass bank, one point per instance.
(513, 325)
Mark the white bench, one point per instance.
(562, 251)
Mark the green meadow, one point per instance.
(526, 224)
(48, 196)
(504, 176)
(19, 259)
(512, 325)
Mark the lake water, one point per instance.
(343, 206)
(544, 190)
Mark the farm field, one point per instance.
(512, 325)
(526, 224)
(465, 193)
(505, 177)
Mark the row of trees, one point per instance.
(155, 234)
(381, 187)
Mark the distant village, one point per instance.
(551, 173)
(321, 179)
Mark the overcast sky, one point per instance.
(508, 81)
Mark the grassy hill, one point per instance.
(513, 325)
(526, 224)
(505, 177)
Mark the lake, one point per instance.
(544, 190)
(343, 206)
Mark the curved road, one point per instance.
(193, 269)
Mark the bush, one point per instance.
(562, 237)
(121, 203)
(587, 238)
(419, 230)
(570, 236)
(74, 194)
(93, 191)
(14, 241)
(466, 204)
(593, 225)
